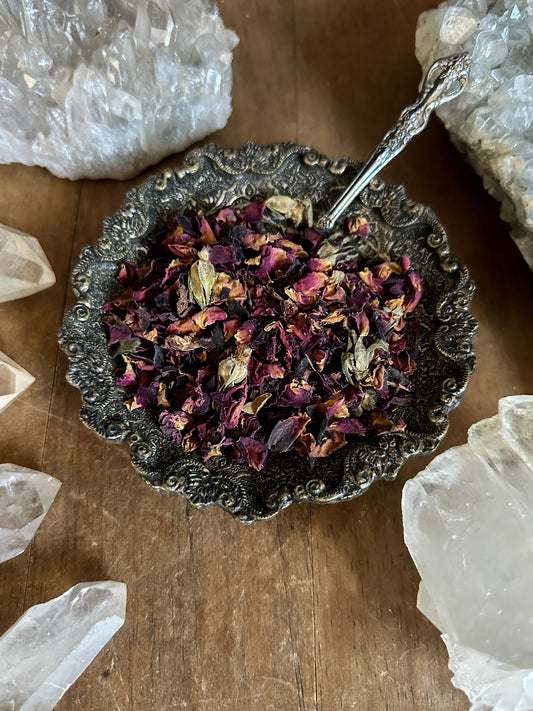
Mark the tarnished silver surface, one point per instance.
(445, 80)
(208, 179)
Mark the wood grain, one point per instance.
(316, 609)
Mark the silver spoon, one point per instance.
(445, 80)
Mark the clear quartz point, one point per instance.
(468, 524)
(48, 648)
(25, 497)
(13, 380)
(24, 268)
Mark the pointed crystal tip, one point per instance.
(25, 497)
(48, 648)
(13, 380)
(24, 268)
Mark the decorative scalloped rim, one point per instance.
(209, 178)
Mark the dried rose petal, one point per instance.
(253, 451)
(252, 408)
(286, 432)
(248, 338)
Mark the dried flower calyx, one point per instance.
(247, 338)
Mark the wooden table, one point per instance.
(315, 609)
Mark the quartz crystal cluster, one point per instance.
(25, 497)
(468, 522)
(48, 648)
(103, 89)
(492, 120)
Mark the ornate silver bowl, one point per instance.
(212, 177)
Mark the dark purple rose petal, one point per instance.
(146, 397)
(296, 395)
(253, 212)
(253, 451)
(350, 426)
(286, 432)
(222, 255)
(118, 333)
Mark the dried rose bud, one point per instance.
(233, 370)
(202, 277)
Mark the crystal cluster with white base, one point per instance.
(492, 120)
(468, 524)
(47, 649)
(106, 90)
(25, 497)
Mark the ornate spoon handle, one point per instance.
(444, 81)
